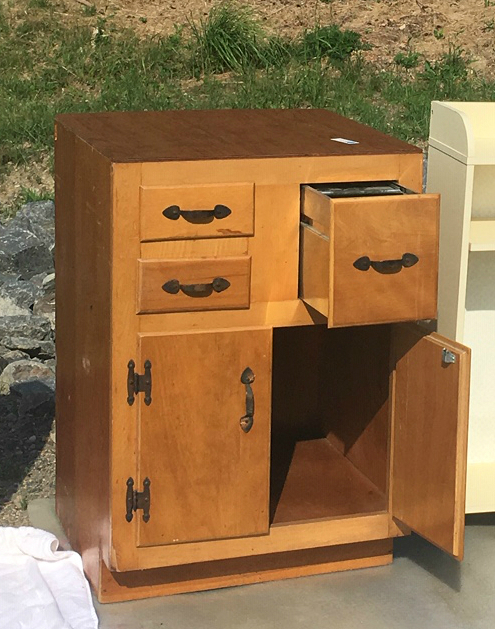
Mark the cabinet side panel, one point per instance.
(454, 182)
(83, 277)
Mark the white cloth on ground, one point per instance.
(40, 586)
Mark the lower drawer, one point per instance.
(186, 285)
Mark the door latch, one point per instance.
(448, 357)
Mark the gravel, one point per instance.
(27, 361)
(27, 458)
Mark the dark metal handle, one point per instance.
(218, 285)
(129, 500)
(173, 212)
(247, 420)
(386, 266)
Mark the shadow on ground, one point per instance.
(24, 433)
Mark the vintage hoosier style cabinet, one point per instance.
(244, 392)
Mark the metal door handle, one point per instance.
(173, 212)
(247, 420)
(218, 285)
(386, 266)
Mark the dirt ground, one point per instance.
(427, 27)
(390, 26)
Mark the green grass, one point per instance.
(26, 195)
(228, 59)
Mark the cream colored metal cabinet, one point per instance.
(461, 167)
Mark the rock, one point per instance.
(7, 277)
(33, 347)
(20, 371)
(9, 356)
(39, 218)
(49, 282)
(28, 326)
(21, 251)
(9, 308)
(28, 240)
(37, 279)
(22, 292)
(45, 307)
(33, 393)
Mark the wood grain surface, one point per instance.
(320, 482)
(384, 229)
(227, 134)
(238, 197)
(114, 586)
(381, 228)
(430, 437)
(154, 274)
(83, 343)
(209, 479)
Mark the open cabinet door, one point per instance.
(429, 436)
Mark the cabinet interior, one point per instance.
(330, 422)
(479, 335)
(483, 192)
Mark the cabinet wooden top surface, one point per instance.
(227, 134)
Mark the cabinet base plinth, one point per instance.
(125, 586)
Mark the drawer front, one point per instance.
(208, 211)
(187, 285)
(371, 260)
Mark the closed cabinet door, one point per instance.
(203, 441)
(429, 436)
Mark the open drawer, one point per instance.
(369, 252)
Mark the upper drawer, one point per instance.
(369, 259)
(207, 211)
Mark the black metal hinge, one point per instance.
(138, 499)
(137, 383)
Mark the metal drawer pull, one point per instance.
(218, 285)
(173, 212)
(386, 266)
(247, 420)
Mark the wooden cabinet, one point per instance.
(242, 391)
(461, 166)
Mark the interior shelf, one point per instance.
(313, 480)
(482, 235)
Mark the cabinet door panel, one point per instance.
(429, 436)
(209, 478)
